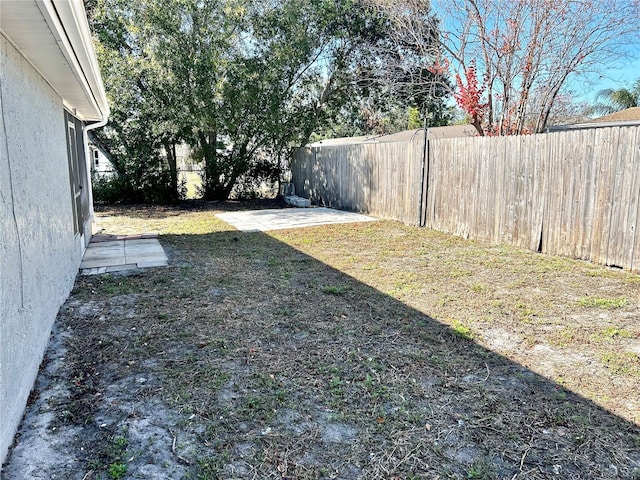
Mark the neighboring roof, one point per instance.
(451, 131)
(630, 116)
(54, 37)
(344, 141)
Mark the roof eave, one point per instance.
(54, 37)
(69, 20)
(581, 126)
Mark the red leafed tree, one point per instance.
(469, 97)
(525, 51)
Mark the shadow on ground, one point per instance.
(248, 359)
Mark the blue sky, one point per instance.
(626, 72)
(622, 72)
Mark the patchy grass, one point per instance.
(334, 289)
(351, 351)
(461, 330)
(622, 363)
(603, 302)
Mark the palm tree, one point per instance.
(613, 100)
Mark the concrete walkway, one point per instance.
(116, 253)
(278, 219)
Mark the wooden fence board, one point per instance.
(631, 244)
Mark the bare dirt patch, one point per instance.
(346, 351)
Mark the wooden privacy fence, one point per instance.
(383, 179)
(573, 193)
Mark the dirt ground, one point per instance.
(362, 351)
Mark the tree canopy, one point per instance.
(512, 60)
(240, 81)
(612, 100)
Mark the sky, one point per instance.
(620, 76)
(621, 73)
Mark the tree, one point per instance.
(409, 63)
(613, 100)
(469, 98)
(511, 50)
(240, 81)
(140, 136)
(527, 46)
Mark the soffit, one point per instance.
(37, 30)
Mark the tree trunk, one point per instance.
(211, 181)
(170, 149)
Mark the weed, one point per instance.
(374, 365)
(605, 303)
(334, 289)
(255, 402)
(209, 468)
(368, 382)
(611, 333)
(565, 337)
(335, 384)
(481, 470)
(622, 363)
(460, 273)
(404, 287)
(560, 395)
(600, 272)
(445, 300)
(550, 264)
(525, 311)
(112, 458)
(118, 285)
(461, 330)
(117, 470)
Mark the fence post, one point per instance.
(424, 179)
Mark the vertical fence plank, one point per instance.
(631, 244)
(623, 201)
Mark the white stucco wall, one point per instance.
(39, 253)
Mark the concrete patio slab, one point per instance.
(117, 253)
(106, 244)
(103, 261)
(278, 219)
(152, 263)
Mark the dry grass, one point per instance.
(357, 351)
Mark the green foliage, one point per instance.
(612, 100)
(461, 330)
(414, 118)
(117, 470)
(240, 82)
(152, 185)
(481, 470)
(334, 289)
(622, 363)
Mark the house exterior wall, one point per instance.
(39, 252)
(100, 165)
